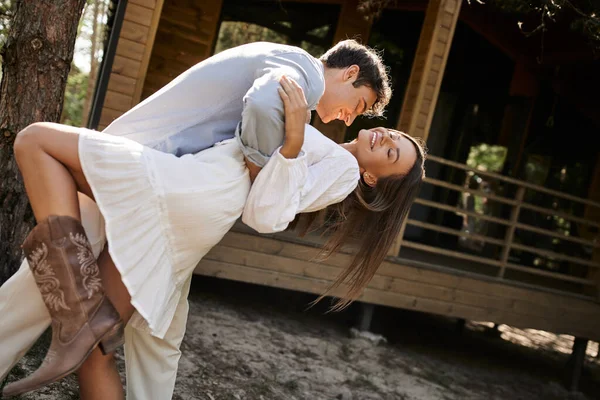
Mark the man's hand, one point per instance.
(253, 169)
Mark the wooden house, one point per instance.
(505, 228)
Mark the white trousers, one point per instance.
(151, 363)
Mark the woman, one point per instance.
(163, 214)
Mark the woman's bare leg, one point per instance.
(98, 376)
(48, 157)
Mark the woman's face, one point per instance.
(381, 152)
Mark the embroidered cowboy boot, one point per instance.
(65, 270)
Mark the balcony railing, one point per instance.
(515, 249)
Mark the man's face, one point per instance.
(342, 100)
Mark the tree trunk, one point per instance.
(36, 62)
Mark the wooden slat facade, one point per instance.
(426, 75)
(185, 37)
(428, 67)
(352, 24)
(129, 48)
(131, 59)
(403, 284)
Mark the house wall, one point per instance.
(403, 284)
(159, 41)
(131, 59)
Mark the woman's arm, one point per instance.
(287, 185)
(295, 115)
(262, 128)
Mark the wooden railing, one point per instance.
(581, 272)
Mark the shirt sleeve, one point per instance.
(262, 128)
(286, 187)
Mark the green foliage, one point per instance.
(5, 14)
(483, 157)
(487, 157)
(75, 93)
(536, 169)
(90, 34)
(235, 33)
(78, 80)
(583, 14)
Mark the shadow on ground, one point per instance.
(251, 342)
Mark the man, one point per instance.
(203, 105)
(198, 109)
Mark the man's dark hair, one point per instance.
(373, 73)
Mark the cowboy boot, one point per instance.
(65, 270)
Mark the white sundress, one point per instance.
(164, 213)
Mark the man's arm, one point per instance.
(255, 169)
(262, 127)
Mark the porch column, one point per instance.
(588, 232)
(352, 24)
(365, 316)
(428, 67)
(575, 363)
(426, 75)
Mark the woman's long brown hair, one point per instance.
(372, 218)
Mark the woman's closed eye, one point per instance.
(394, 151)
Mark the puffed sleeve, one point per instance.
(286, 187)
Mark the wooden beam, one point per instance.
(121, 84)
(134, 31)
(428, 67)
(126, 67)
(130, 49)
(201, 29)
(108, 116)
(352, 24)
(117, 101)
(426, 76)
(141, 78)
(439, 300)
(414, 272)
(138, 14)
(144, 3)
(128, 61)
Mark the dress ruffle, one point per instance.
(143, 197)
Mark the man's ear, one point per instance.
(351, 73)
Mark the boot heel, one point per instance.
(113, 339)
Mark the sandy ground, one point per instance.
(250, 342)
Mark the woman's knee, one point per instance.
(41, 139)
(29, 139)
